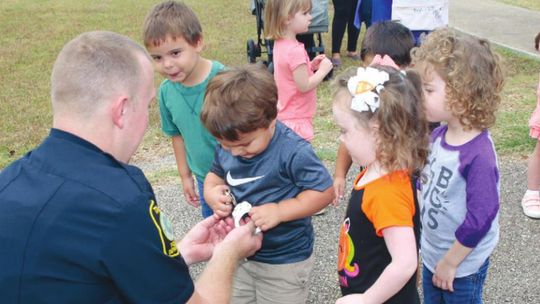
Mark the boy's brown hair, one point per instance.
(472, 73)
(239, 100)
(171, 18)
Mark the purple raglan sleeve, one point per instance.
(482, 194)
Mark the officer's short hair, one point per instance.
(239, 100)
(92, 68)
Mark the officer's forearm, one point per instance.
(215, 283)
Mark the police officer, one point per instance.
(79, 225)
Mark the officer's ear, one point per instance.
(118, 111)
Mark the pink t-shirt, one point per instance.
(295, 109)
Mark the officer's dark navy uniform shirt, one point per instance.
(77, 226)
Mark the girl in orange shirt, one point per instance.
(381, 108)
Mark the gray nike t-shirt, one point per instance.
(287, 167)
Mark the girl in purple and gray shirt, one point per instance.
(460, 208)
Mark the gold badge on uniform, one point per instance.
(165, 231)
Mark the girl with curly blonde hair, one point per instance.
(462, 82)
(380, 113)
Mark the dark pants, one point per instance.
(344, 11)
(309, 44)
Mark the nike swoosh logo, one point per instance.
(240, 181)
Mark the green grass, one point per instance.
(528, 4)
(35, 31)
(519, 100)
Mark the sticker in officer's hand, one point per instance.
(164, 228)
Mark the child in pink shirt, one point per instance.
(296, 76)
(531, 199)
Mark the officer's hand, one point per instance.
(199, 243)
(241, 242)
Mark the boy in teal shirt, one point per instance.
(173, 36)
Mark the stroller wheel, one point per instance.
(253, 51)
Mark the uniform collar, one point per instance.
(63, 135)
(65, 152)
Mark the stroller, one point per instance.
(319, 24)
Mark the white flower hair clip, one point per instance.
(361, 87)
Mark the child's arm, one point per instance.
(401, 244)
(214, 194)
(343, 164)
(445, 270)
(305, 83)
(188, 184)
(306, 203)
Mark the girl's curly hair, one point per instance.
(472, 72)
(402, 137)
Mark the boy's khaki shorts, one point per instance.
(262, 283)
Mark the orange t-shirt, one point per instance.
(385, 202)
(388, 201)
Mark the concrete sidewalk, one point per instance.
(502, 24)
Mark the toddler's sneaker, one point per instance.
(531, 205)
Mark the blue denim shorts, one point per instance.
(467, 290)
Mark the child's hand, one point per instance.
(444, 275)
(188, 185)
(317, 61)
(339, 190)
(266, 216)
(355, 298)
(325, 66)
(219, 201)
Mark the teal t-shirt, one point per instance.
(180, 109)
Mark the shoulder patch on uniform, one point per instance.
(164, 228)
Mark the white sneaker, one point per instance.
(531, 206)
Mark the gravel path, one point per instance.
(513, 276)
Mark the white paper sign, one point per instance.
(421, 14)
